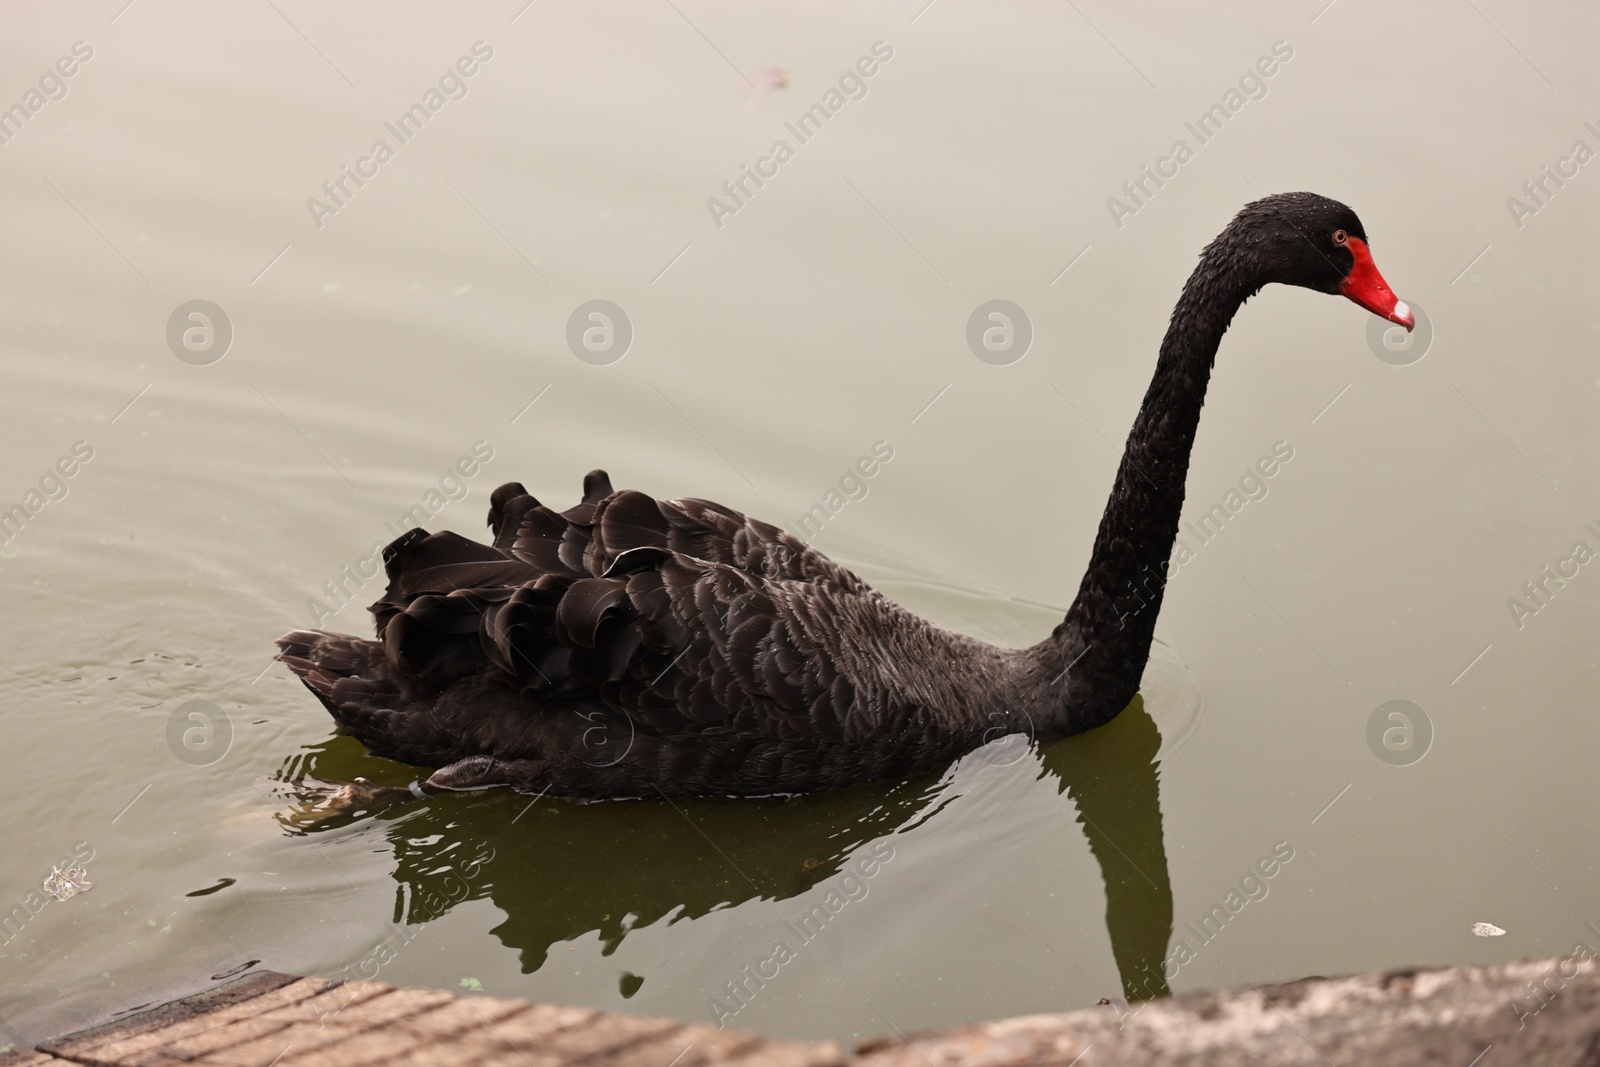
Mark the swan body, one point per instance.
(632, 647)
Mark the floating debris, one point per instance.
(471, 985)
(62, 884)
(768, 79)
(1487, 930)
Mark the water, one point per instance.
(826, 314)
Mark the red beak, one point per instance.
(1366, 287)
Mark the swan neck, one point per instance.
(1095, 658)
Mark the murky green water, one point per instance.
(387, 330)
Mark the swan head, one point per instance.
(1311, 241)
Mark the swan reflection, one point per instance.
(560, 870)
(1111, 773)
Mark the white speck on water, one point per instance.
(1487, 930)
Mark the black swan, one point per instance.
(633, 647)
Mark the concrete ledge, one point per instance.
(1533, 1012)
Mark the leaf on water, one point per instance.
(472, 985)
(1487, 930)
(62, 884)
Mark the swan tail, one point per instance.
(323, 653)
(355, 682)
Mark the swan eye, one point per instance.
(1340, 237)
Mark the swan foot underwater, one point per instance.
(634, 647)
